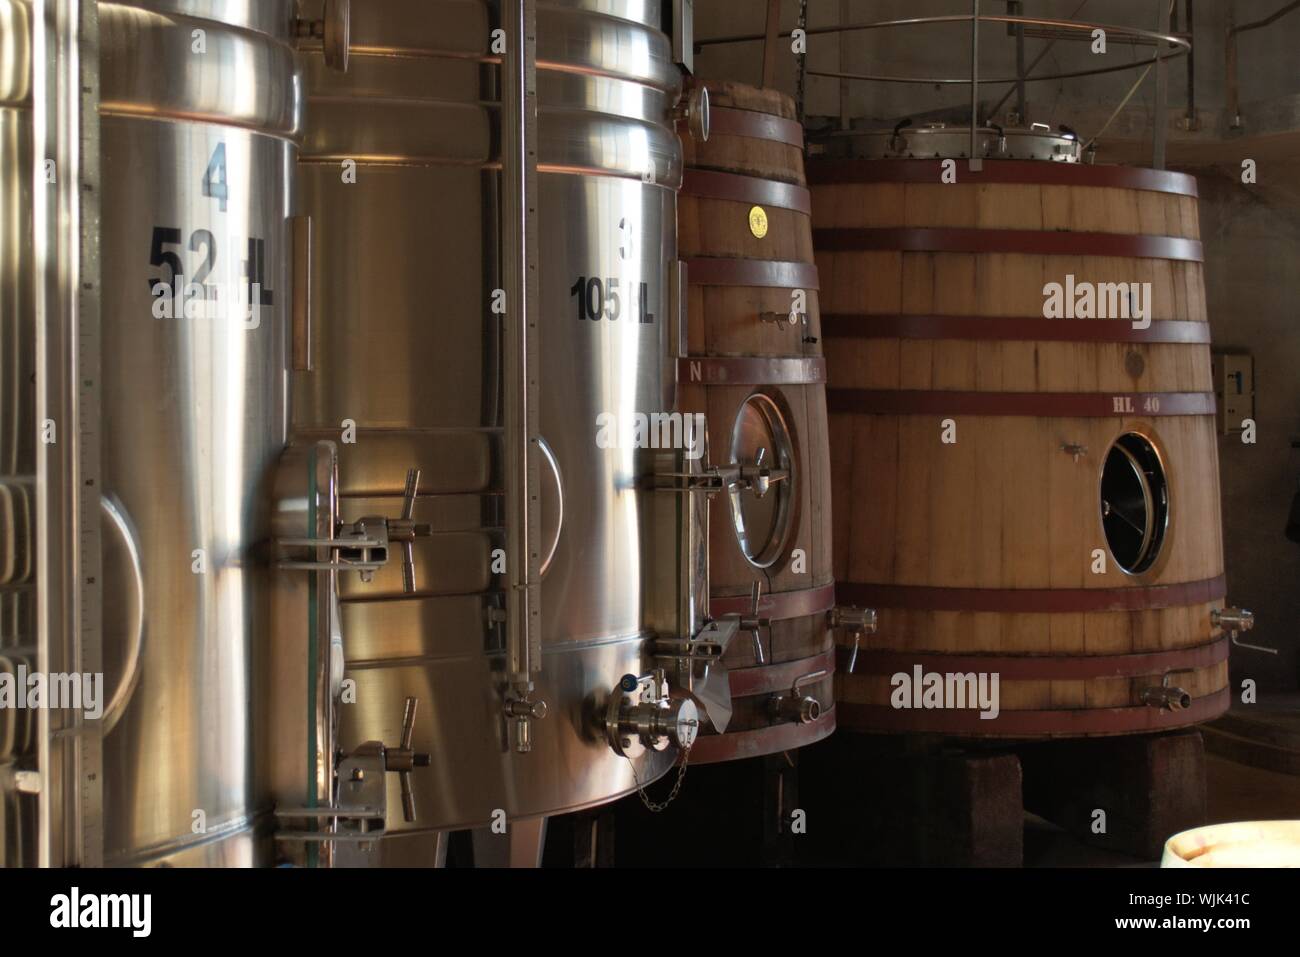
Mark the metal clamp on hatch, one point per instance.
(345, 808)
(362, 546)
(358, 812)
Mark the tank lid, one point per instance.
(945, 141)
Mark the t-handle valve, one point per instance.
(753, 622)
(403, 758)
(405, 530)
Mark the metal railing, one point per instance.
(1167, 46)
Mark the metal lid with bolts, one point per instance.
(947, 141)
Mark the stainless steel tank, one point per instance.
(18, 426)
(200, 110)
(401, 174)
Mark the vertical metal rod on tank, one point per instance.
(773, 34)
(844, 55)
(522, 363)
(1160, 121)
(65, 91)
(975, 163)
(1022, 109)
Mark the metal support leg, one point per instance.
(520, 846)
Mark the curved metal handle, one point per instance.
(117, 519)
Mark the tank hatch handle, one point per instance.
(333, 32)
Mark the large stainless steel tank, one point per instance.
(200, 109)
(401, 174)
(18, 427)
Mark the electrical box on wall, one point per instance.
(1234, 389)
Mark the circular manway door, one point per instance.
(760, 438)
(1134, 502)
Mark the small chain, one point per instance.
(652, 806)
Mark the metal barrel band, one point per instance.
(1034, 404)
(1034, 242)
(751, 370)
(1010, 724)
(1037, 667)
(733, 187)
(779, 274)
(996, 171)
(755, 125)
(1032, 601)
(778, 606)
(773, 678)
(754, 743)
(1011, 328)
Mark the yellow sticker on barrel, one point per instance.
(758, 221)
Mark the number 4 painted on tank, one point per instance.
(215, 183)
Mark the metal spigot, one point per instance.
(790, 318)
(856, 621)
(804, 709)
(1075, 450)
(333, 31)
(1168, 697)
(1234, 621)
(652, 723)
(523, 713)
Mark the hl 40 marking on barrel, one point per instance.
(1124, 403)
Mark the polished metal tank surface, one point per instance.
(200, 110)
(401, 175)
(18, 429)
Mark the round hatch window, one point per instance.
(762, 500)
(1134, 502)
